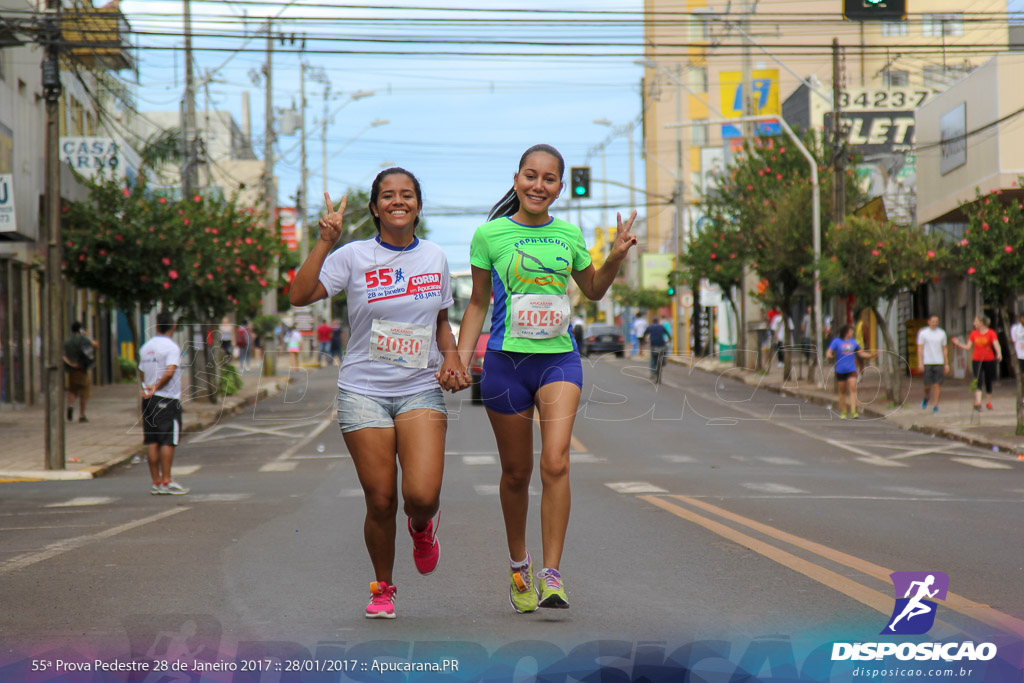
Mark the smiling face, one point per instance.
(538, 183)
(396, 205)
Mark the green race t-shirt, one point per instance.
(529, 260)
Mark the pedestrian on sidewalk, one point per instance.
(846, 350)
(1017, 336)
(986, 352)
(293, 339)
(391, 410)
(323, 338)
(79, 357)
(242, 342)
(932, 360)
(638, 329)
(532, 364)
(335, 349)
(160, 363)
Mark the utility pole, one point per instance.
(839, 184)
(188, 170)
(270, 193)
(54, 278)
(680, 206)
(748, 110)
(301, 207)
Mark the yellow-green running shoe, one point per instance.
(552, 590)
(521, 592)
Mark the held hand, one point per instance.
(332, 224)
(624, 239)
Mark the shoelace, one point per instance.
(385, 597)
(551, 581)
(424, 540)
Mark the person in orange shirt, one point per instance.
(986, 353)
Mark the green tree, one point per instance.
(876, 261)
(991, 255)
(766, 193)
(718, 255)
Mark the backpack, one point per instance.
(242, 336)
(87, 353)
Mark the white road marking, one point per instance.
(579, 458)
(306, 439)
(82, 502)
(277, 466)
(237, 430)
(61, 547)
(778, 460)
(479, 460)
(911, 491)
(982, 463)
(218, 497)
(634, 487)
(493, 490)
(341, 456)
(678, 459)
(350, 493)
(185, 470)
(770, 487)
(879, 461)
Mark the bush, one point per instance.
(230, 381)
(129, 369)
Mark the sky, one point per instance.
(459, 122)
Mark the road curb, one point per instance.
(816, 399)
(94, 471)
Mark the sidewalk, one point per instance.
(113, 433)
(956, 418)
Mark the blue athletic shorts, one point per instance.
(359, 411)
(510, 380)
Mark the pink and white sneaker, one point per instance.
(382, 603)
(425, 548)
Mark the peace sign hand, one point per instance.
(624, 239)
(332, 224)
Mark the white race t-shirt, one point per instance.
(932, 341)
(154, 357)
(1017, 335)
(394, 296)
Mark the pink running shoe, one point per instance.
(425, 549)
(382, 604)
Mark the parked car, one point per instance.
(603, 338)
(476, 365)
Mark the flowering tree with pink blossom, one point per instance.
(991, 256)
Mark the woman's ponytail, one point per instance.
(506, 206)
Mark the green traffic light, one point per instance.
(580, 190)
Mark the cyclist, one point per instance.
(390, 408)
(526, 257)
(657, 336)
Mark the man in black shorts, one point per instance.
(159, 361)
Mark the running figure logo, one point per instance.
(914, 613)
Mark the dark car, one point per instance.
(603, 338)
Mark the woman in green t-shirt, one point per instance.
(525, 258)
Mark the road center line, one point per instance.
(61, 547)
(958, 603)
(305, 440)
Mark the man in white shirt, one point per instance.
(932, 361)
(160, 364)
(639, 327)
(1017, 337)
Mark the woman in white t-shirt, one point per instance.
(390, 406)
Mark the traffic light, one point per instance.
(580, 176)
(875, 10)
(671, 290)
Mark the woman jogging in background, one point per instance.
(986, 353)
(390, 408)
(846, 350)
(525, 257)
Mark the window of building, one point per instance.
(896, 78)
(936, 25)
(700, 135)
(698, 77)
(698, 28)
(894, 28)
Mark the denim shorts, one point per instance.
(358, 411)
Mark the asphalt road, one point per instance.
(703, 511)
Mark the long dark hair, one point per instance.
(509, 204)
(375, 193)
